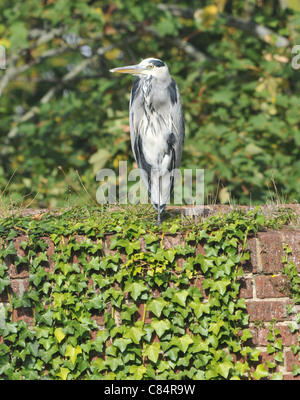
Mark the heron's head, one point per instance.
(148, 67)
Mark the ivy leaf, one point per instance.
(157, 305)
(241, 367)
(38, 277)
(260, 372)
(94, 264)
(3, 283)
(138, 371)
(96, 303)
(9, 250)
(172, 354)
(72, 352)
(122, 343)
(47, 342)
(219, 286)
(135, 334)
(199, 345)
(128, 311)
(58, 333)
(199, 307)
(152, 351)
(180, 297)
(216, 326)
(33, 348)
(223, 368)
(182, 342)
(47, 318)
(278, 357)
(170, 255)
(253, 353)
(246, 335)
(113, 362)
(149, 239)
(46, 355)
(173, 229)
(135, 289)
(131, 246)
(125, 243)
(206, 264)
(160, 326)
(63, 373)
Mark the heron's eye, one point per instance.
(151, 66)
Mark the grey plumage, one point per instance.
(156, 128)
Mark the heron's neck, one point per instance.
(147, 86)
(154, 89)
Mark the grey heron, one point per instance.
(157, 128)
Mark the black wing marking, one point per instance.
(171, 140)
(141, 160)
(173, 92)
(134, 90)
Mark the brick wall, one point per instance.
(267, 296)
(264, 287)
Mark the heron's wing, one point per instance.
(135, 114)
(177, 123)
(174, 133)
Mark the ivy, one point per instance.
(291, 272)
(124, 312)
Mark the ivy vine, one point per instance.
(132, 312)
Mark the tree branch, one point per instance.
(51, 92)
(12, 71)
(263, 33)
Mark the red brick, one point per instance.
(263, 358)
(142, 244)
(246, 288)
(170, 241)
(197, 282)
(268, 286)
(260, 336)
(251, 265)
(99, 318)
(290, 377)
(271, 251)
(291, 360)
(21, 270)
(200, 249)
(4, 297)
(17, 241)
(140, 312)
(179, 261)
(106, 245)
(266, 310)
(19, 286)
(50, 252)
(292, 239)
(24, 314)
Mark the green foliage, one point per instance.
(61, 107)
(199, 336)
(294, 293)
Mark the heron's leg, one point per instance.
(158, 222)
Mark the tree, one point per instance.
(232, 61)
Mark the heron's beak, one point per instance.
(130, 69)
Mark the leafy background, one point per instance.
(60, 106)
